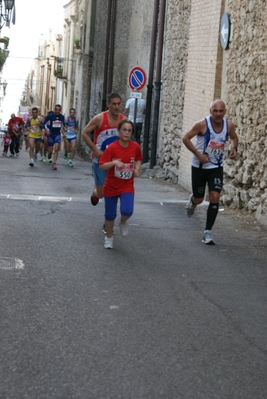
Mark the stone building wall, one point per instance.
(173, 86)
(197, 70)
(203, 82)
(192, 61)
(84, 64)
(131, 47)
(98, 59)
(246, 80)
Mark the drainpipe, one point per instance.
(104, 97)
(150, 81)
(112, 41)
(90, 54)
(42, 87)
(154, 138)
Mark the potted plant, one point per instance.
(2, 61)
(4, 40)
(77, 43)
(3, 57)
(59, 71)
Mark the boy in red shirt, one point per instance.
(122, 160)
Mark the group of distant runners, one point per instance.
(42, 136)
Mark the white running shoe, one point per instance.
(207, 238)
(124, 229)
(108, 243)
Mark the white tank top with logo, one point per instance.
(211, 143)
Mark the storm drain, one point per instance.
(11, 263)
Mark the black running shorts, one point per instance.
(201, 177)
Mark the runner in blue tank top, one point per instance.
(70, 136)
(211, 135)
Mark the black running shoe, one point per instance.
(94, 199)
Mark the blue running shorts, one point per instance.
(99, 175)
(53, 139)
(126, 205)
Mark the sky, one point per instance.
(33, 19)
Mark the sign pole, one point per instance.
(135, 112)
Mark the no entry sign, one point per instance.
(137, 78)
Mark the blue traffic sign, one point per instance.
(137, 78)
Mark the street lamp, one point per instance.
(4, 86)
(5, 12)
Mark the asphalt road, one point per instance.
(161, 316)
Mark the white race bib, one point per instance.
(125, 173)
(215, 148)
(56, 124)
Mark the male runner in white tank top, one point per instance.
(211, 135)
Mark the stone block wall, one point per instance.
(173, 86)
(192, 78)
(195, 71)
(98, 62)
(203, 82)
(246, 80)
(131, 47)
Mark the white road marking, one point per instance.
(11, 263)
(179, 202)
(26, 197)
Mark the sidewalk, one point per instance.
(168, 192)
